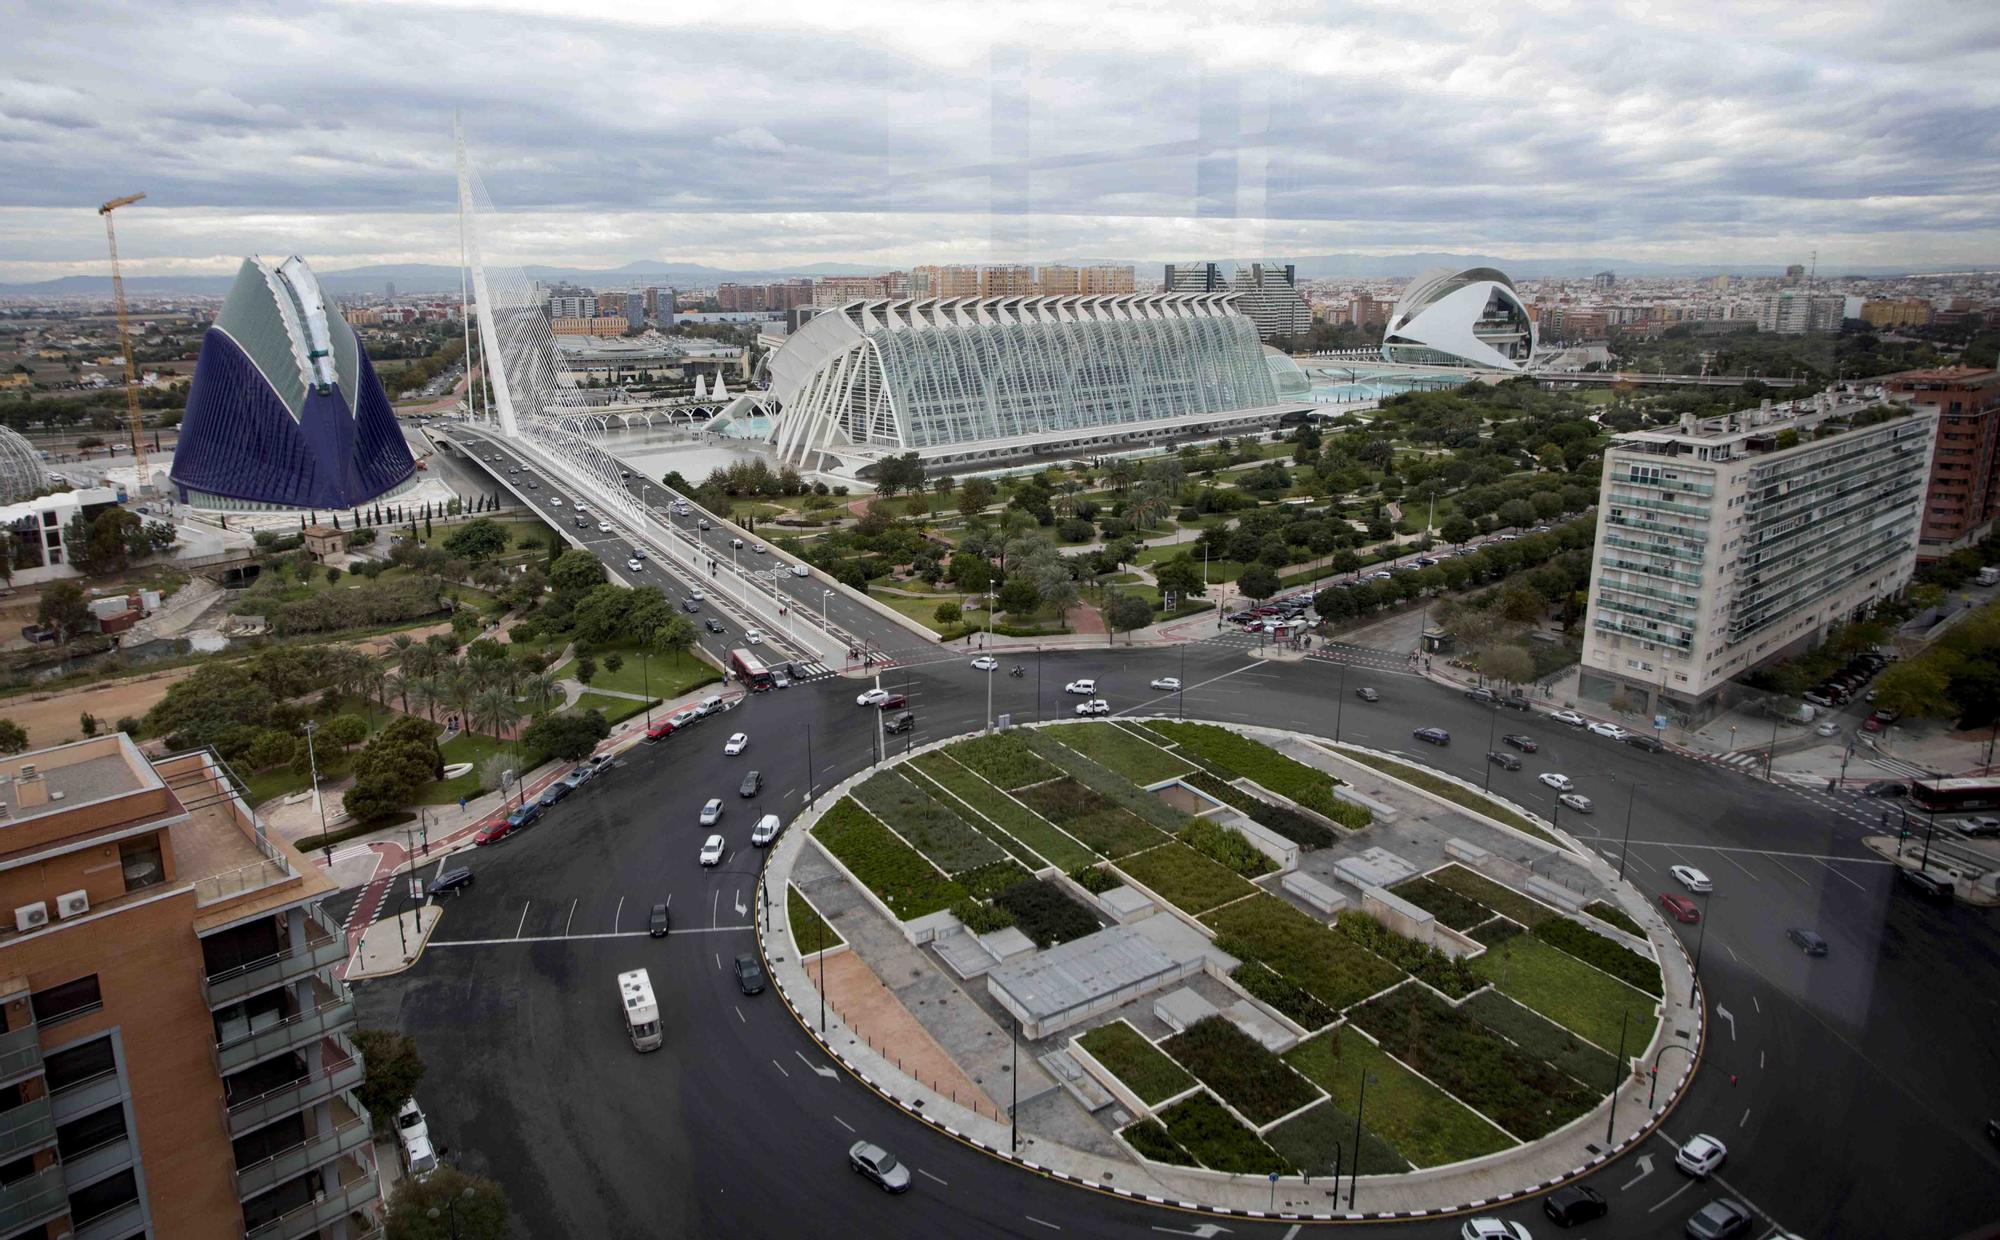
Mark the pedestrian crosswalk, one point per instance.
(802, 672)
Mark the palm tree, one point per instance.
(493, 711)
(1118, 473)
(460, 690)
(373, 679)
(426, 691)
(542, 686)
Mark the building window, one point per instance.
(93, 1131)
(69, 999)
(140, 860)
(99, 1199)
(78, 1065)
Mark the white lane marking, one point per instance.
(1032, 1219)
(816, 1069)
(740, 1016)
(928, 1176)
(1761, 852)
(718, 962)
(1760, 1060)
(570, 920)
(1772, 858)
(1746, 1118)
(524, 921)
(1669, 1198)
(843, 1123)
(1739, 865)
(557, 938)
(1842, 877)
(620, 913)
(1758, 1006)
(781, 1069)
(715, 907)
(1732, 951)
(1729, 1016)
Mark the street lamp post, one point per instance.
(823, 596)
(1340, 708)
(450, 1211)
(1625, 850)
(1180, 690)
(1617, 1076)
(1013, 1112)
(1658, 1055)
(1701, 935)
(1492, 726)
(312, 760)
(1354, 1170)
(646, 685)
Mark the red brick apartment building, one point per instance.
(175, 1052)
(1964, 493)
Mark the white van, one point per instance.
(766, 830)
(709, 705)
(419, 1159)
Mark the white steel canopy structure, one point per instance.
(962, 377)
(1461, 318)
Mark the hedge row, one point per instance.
(1283, 994)
(1310, 1139)
(1004, 811)
(1614, 917)
(1144, 1068)
(1337, 971)
(1499, 898)
(979, 917)
(945, 798)
(932, 829)
(1003, 758)
(1524, 1095)
(1451, 977)
(1200, 1126)
(1132, 755)
(1184, 878)
(1219, 843)
(895, 872)
(1594, 949)
(1424, 1124)
(1107, 783)
(1100, 824)
(810, 931)
(1458, 911)
(988, 881)
(1261, 1086)
(1046, 914)
(1307, 833)
(1541, 1037)
(1149, 1139)
(1264, 766)
(1095, 879)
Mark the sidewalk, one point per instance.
(1515, 1173)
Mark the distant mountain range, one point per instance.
(420, 278)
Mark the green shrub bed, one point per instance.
(1497, 931)
(1544, 1039)
(971, 817)
(1448, 906)
(1004, 759)
(1003, 811)
(1219, 843)
(1590, 1003)
(1218, 1141)
(1106, 782)
(898, 874)
(1264, 766)
(1094, 879)
(1599, 952)
(1611, 916)
(1046, 914)
(1242, 1073)
(1184, 878)
(1129, 754)
(1099, 823)
(1452, 977)
(1417, 1119)
(979, 917)
(988, 881)
(1283, 994)
(1336, 970)
(1149, 1139)
(933, 830)
(1455, 793)
(810, 931)
(1307, 833)
(1523, 1095)
(1496, 896)
(1144, 1068)
(1308, 1141)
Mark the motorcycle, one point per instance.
(1018, 672)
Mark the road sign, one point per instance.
(1659, 723)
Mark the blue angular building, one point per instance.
(285, 410)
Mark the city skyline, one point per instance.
(1024, 135)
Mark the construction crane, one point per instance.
(125, 340)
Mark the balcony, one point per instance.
(20, 1053)
(355, 1193)
(25, 1129)
(324, 947)
(334, 1011)
(116, 1224)
(337, 1076)
(350, 1131)
(33, 1201)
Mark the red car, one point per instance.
(493, 832)
(895, 701)
(1872, 723)
(661, 730)
(1680, 907)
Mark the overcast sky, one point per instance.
(774, 133)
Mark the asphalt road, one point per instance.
(1850, 1089)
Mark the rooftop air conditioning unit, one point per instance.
(28, 916)
(72, 903)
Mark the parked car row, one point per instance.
(1839, 689)
(506, 826)
(685, 718)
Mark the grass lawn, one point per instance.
(943, 796)
(1568, 991)
(662, 675)
(1418, 1120)
(1023, 824)
(614, 709)
(923, 610)
(1134, 757)
(1218, 570)
(519, 530)
(1310, 1138)
(810, 932)
(465, 747)
(1184, 878)
(280, 781)
(1450, 791)
(1143, 1067)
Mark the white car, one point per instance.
(1492, 1229)
(874, 697)
(1569, 717)
(604, 527)
(711, 813)
(1561, 783)
(711, 850)
(1576, 801)
(1611, 730)
(759, 548)
(754, 636)
(1084, 687)
(410, 1121)
(1701, 1156)
(554, 502)
(985, 663)
(697, 596)
(1829, 728)
(800, 570)
(737, 744)
(765, 831)
(1171, 684)
(1692, 879)
(634, 566)
(1095, 706)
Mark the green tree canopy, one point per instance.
(569, 737)
(393, 1069)
(467, 1207)
(1258, 582)
(1126, 612)
(482, 538)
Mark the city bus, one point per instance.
(749, 669)
(1951, 796)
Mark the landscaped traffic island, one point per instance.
(1475, 1016)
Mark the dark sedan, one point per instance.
(1432, 736)
(1504, 760)
(660, 922)
(1566, 1207)
(752, 784)
(749, 975)
(1526, 744)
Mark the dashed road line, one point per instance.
(524, 918)
(579, 938)
(928, 1176)
(843, 1123)
(781, 1069)
(1670, 1197)
(1044, 1222)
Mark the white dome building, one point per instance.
(22, 471)
(1461, 318)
